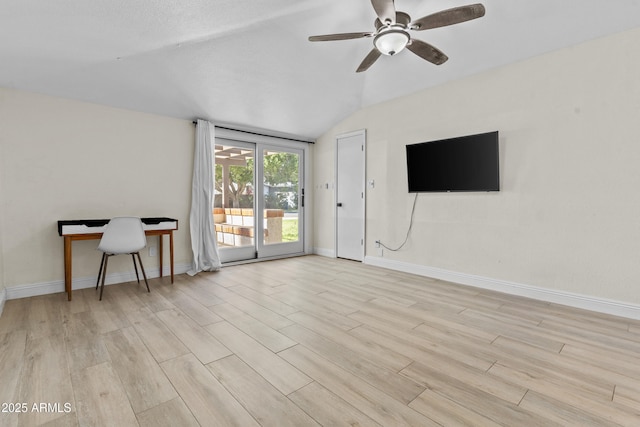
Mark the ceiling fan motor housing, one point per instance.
(402, 19)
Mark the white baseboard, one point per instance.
(329, 253)
(586, 302)
(34, 289)
(3, 297)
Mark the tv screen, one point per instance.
(467, 163)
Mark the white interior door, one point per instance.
(350, 195)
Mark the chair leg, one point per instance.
(143, 273)
(104, 274)
(135, 267)
(100, 271)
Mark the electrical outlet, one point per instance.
(153, 251)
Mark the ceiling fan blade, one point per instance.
(449, 17)
(342, 36)
(385, 9)
(369, 60)
(427, 52)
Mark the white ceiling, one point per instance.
(248, 63)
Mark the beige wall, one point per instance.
(64, 159)
(568, 215)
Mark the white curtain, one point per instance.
(203, 242)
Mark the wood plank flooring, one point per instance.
(313, 341)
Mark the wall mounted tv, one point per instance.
(467, 163)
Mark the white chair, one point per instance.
(123, 235)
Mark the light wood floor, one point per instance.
(313, 341)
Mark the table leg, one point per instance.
(161, 251)
(67, 266)
(171, 252)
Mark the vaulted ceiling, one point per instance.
(249, 63)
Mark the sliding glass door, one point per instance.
(234, 201)
(259, 200)
(281, 201)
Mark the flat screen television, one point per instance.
(466, 163)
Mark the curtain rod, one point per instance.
(259, 134)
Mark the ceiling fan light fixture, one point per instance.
(391, 41)
(392, 28)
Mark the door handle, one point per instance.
(339, 205)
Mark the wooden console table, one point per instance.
(92, 229)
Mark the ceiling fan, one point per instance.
(392, 31)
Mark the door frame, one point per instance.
(363, 133)
(259, 141)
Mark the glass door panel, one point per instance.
(281, 201)
(234, 201)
